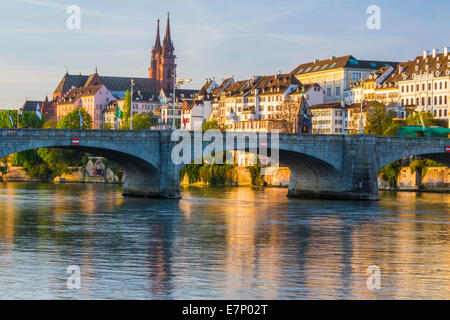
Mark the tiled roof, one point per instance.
(225, 83)
(438, 66)
(31, 105)
(111, 83)
(340, 62)
(76, 93)
(335, 105)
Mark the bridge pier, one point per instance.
(151, 184)
(357, 179)
(159, 180)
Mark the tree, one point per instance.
(428, 119)
(288, 115)
(127, 106)
(72, 120)
(378, 119)
(28, 119)
(211, 124)
(141, 121)
(390, 174)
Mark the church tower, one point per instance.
(156, 57)
(162, 65)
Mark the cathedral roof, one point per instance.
(113, 84)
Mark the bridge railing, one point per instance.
(71, 133)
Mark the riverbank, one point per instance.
(75, 175)
(437, 179)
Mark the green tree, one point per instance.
(27, 120)
(72, 120)
(141, 121)
(127, 107)
(390, 174)
(378, 119)
(428, 119)
(211, 124)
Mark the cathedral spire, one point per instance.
(157, 41)
(167, 39)
(167, 48)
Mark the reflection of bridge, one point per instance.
(322, 166)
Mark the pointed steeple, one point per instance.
(167, 39)
(157, 41)
(167, 48)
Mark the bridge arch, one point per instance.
(389, 150)
(313, 172)
(142, 172)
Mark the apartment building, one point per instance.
(337, 74)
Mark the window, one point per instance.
(338, 91)
(324, 67)
(353, 62)
(300, 71)
(328, 92)
(356, 75)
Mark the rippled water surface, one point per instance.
(232, 243)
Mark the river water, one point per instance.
(224, 243)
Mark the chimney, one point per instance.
(445, 51)
(434, 53)
(425, 53)
(332, 58)
(316, 61)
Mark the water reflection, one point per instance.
(219, 243)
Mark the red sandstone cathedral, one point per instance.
(161, 74)
(162, 64)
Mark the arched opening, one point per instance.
(141, 178)
(309, 176)
(416, 172)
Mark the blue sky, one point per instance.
(212, 38)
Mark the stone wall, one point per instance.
(16, 174)
(241, 176)
(77, 175)
(437, 179)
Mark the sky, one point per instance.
(211, 38)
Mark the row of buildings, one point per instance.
(335, 89)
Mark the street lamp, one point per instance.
(131, 104)
(361, 131)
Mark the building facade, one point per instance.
(337, 74)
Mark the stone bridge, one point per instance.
(322, 166)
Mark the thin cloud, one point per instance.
(82, 31)
(84, 10)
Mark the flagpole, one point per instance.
(131, 105)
